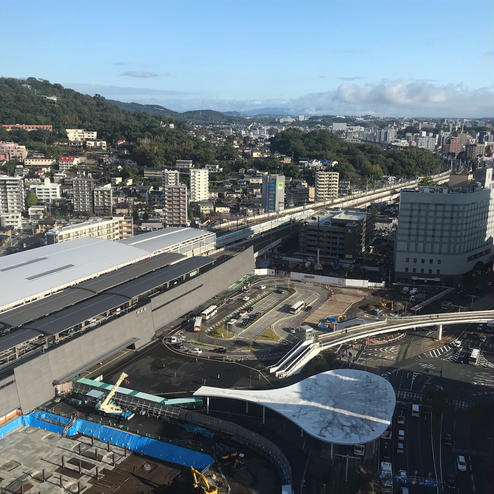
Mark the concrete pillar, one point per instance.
(439, 331)
(207, 405)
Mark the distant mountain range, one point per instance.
(203, 116)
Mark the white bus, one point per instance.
(210, 312)
(197, 324)
(474, 357)
(297, 307)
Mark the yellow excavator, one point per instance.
(201, 482)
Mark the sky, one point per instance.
(422, 58)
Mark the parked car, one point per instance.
(246, 298)
(262, 287)
(249, 309)
(220, 349)
(279, 290)
(461, 464)
(196, 351)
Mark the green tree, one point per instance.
(31, 199)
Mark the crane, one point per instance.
(200, 481)
(109, 407)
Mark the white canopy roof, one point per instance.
(342, 406)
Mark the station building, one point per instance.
(73, 304)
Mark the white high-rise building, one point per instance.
(11, 194)
(444, 232)
(199, 185)
(171, 177)
(327, 185)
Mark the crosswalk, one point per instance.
(413, 397)
(438, 352)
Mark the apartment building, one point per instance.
(199, 184)
(27, 127)
(65, 163)
(103, 200)
(81, 134)
(12, 151)
(170, 177)
(175, 205)
(327, 185)
(39, 161)
(83, 194)
(11, 194)
(107, 228)
(47, 191)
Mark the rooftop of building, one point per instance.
(327, 218)
(165, 238)
(35, 273)
(342, 406)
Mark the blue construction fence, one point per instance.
(143, 445)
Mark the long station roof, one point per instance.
(35, 273)
(342, 406)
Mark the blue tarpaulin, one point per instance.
(143, 445)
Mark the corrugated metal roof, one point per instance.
(33, 272)
(165, 238)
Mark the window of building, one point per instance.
(423, 260)
(407, 259)
(431, 261)
(406, 270)
(439, 261)
(430, 271)
(414, 259)
(422, 270)
(414, 270)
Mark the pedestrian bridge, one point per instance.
(302, 353)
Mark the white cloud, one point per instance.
(140, 75)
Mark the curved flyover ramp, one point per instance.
(342, 406)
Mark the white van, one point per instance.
(415, 410)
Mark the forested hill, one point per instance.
(37, 101)
(198, 116)
(367, 159)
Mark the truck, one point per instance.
(109, 407)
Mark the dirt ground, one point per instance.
(338, 304)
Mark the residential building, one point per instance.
(96, 144)
(337, 237)
(297, 196)
(199, 184)
(65, 163)
(426, 142)
(39, 161)
(183, 164)
(107, 228)
(103, 200)
(453, 146)
(125, 226)
(12, 151)
(46, 191)
(11, 220)
(36, 213)
(213, 168)
(327, 185)
(273, 193)
(11, 194)
(28, 127)
(171, 177)
(81, 134)
(444, 232)
(153, 173)
(175, 205)
(474, 151)
(83, 194)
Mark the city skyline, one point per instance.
(316, 58)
